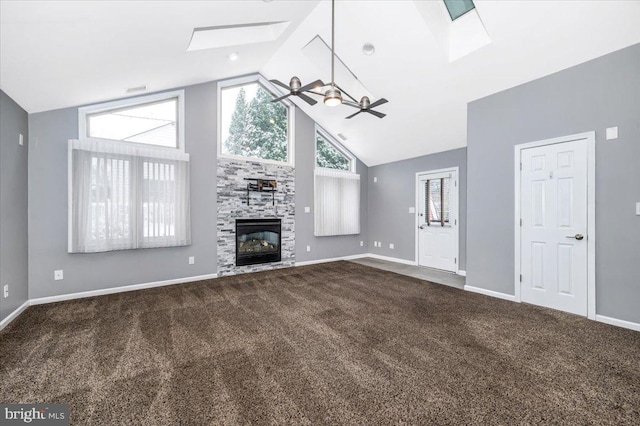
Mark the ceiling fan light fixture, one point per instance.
(332, 97)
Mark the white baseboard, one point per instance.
(391, 259)
(101, 292)
(5, 322)
(618, 322)
(462, 273)
(333, 259)
(491, 293)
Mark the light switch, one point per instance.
(638, 208)
(21, 139)
(307, 209)
(412, 210)
(612, 133)
(375, 179)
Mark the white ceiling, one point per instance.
(58, 54)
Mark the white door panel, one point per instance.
(438, 220)
(553, 194)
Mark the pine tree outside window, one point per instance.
(251, 127)
(330, 154)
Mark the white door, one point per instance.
(438, 220)
(553, 194)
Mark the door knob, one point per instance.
(577, 236)
(421, 226)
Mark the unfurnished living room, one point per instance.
(320, 212)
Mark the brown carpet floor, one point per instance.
(336, 343)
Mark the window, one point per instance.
(437, 200)
(457, 8)
(250, 125)
(150, 120)
(331, 155)
(124, 196)
(336, 202)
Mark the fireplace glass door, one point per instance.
(258, 241)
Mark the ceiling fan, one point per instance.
(333, 95)
(365, 106)
(296, 88)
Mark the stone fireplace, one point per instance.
(240, 251)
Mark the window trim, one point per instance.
(291, 114)
(333, 141)
(85, 111)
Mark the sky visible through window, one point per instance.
(153, 124)
(457, 8)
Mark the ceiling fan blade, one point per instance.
(353, 115)
(281, 84)
(378, 102)
(317, 83)
(281, 97)
(376, 113)
(307, 99)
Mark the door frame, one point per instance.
(456, 191)
(590, 139)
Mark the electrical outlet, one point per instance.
(192, 260)
(6, 291)
(392, 246)
(308, 248)
(307, 209)
(412, 210)
(58, 275)
(361, 243)
(20, 139)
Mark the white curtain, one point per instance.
(124, 196)
(337, 202)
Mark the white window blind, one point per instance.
(124, 196)
(337, 203)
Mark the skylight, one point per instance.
(457, 8)
(234, 35)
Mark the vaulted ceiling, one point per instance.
(55, 54)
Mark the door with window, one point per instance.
(438, 220)
(553, 194)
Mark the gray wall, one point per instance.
(83, 272)
(595, 95)
(13, 205)
(321, 247)
(48, 209)
(395, 191)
